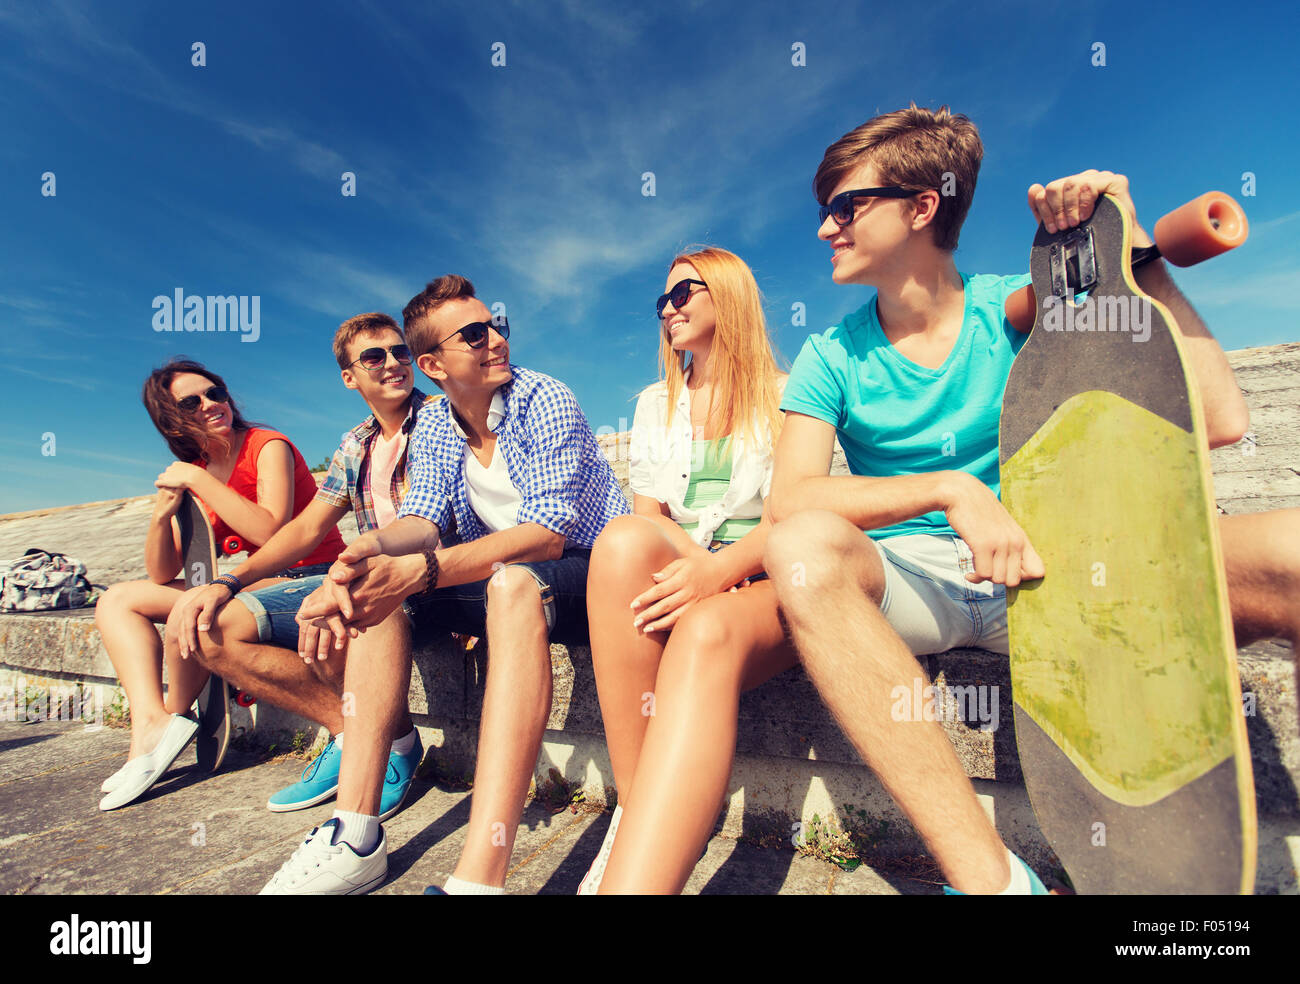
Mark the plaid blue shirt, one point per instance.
(563, 479)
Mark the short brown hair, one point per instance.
(362, 324)
(419, 334)
(914, 148)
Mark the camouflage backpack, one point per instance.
(42, 581)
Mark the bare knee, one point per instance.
(512, 592)
(218, 646)
(116, 601)
(815, 553)
(628, 545)
(704, 652)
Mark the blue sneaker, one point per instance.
(320, 781)
(397, 780)
(1036, 887)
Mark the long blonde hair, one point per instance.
(744, 364)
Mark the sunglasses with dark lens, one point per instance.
(476, 333)
(374, 359)
(215, 394)
(678, 295)
(841, 207)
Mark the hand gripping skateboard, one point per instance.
(1127, 703)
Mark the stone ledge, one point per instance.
(783, 719)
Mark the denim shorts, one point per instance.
(463, 607)
(274, 607)
(928, 600)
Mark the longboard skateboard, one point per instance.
(199, 549)
(1127, 703)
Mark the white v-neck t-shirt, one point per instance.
(491, 494)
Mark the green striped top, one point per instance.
(710, 477)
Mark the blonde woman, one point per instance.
(682, 619)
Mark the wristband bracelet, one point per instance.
(231, 582)
(430, 569)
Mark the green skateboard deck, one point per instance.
(1127, 703)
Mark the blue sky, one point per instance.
(225, 179)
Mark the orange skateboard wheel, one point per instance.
(1022, 308)
(1206, 226)
(232, 545)
(245, 700)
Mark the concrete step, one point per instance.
(795, 774)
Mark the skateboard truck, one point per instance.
(1073, 262)
(1204, 227)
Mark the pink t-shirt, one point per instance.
(384, 455)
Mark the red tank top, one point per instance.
(243, 479)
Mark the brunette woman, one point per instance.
(251, 481)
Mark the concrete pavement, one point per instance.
(196, 834)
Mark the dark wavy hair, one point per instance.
(185, 435)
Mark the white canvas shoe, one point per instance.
(141, 772)
(115, 780)
(322, 867)
(591, 880)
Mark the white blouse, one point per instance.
(660, 465)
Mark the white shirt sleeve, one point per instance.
(640, 467)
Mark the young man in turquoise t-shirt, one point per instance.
(912, 384)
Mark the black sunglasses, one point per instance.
(841, 207)
(678, 295)
(374, 359)
(476, 333)
(216, 394)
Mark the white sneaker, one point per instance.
(591, 880)
(322, 867)
(135, 778)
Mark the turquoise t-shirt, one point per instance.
(894, 417)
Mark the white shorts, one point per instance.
(928, 600)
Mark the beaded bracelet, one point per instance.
(231, 582)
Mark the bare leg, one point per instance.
(1261, 553)
(830, 580)
(278, 676)
(185, 677)
(516, 704)
(722, 646)
(625, 659)
(125, 617)
(376, 686)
